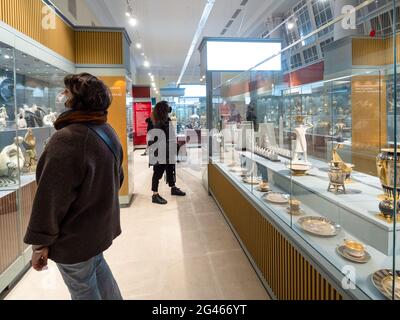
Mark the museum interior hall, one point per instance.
(202, 150)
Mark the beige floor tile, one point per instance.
(220, 239)
(212, 220)
(232, 267)
(249, 290)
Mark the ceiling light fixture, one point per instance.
(206, 13)
(146, 64)
(138, 45)
(290, 25)
(133, 22)
(129, 13)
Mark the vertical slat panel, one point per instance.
(26, 16)
(9, 250)
(99, 47)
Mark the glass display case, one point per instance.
(318, 160)
(28, 108)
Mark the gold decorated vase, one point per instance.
(386, 165)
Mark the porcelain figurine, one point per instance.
(21, 122)
(300, 154)
(11, 158)
(29, 117)
(30, 155)
(3, 117)
(49, 119)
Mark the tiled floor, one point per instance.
(184, 250)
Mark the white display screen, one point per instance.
(194, 90)
(242, 56)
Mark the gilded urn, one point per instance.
(386, 165)
(337, 177)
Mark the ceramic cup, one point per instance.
(354, 248)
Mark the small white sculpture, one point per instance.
(3, 117)
(49, 119)
(11, 158)
(21, 121)
(301, 141)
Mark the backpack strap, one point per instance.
(103, 135)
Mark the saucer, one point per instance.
(341, 250)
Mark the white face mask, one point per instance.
(61, 101)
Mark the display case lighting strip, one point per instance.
(206, 13)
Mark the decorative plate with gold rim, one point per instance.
(251, 180)
(383, 281)
(319, 226)
(277, 197)
(341, 250)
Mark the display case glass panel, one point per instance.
(28, 108)
(318, 144)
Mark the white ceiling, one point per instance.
(166, 29)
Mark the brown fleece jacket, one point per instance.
(76, 208)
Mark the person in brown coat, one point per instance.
(76, 214)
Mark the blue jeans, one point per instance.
(90, 280)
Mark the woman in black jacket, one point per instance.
(162, 151)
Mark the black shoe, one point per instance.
(159, 200)
(177, 192)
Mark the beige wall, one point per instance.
(84, 16)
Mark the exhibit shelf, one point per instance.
(325, 247)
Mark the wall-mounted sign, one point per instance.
(243, 55)
(142, 111)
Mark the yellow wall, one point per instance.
(369, 129)
(93, 47)
(117, 119)
(26, 16)
(81, 47)
(374, 52)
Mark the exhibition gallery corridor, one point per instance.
(183, 251)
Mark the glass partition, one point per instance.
(316, 143)
(28, 109)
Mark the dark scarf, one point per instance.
(70, 117)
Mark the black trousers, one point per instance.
(158, 173)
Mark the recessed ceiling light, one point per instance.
(133, 22)
(149, 74)
(7, 56)
(138, 45)
(143, 54)
(146, 64)
(127, 14)
(290, 25)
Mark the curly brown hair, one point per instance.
(88, 92)
(160, 112)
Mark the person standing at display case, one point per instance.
(234, 114)
(162, 140)
(251, 114)
(76, 214)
